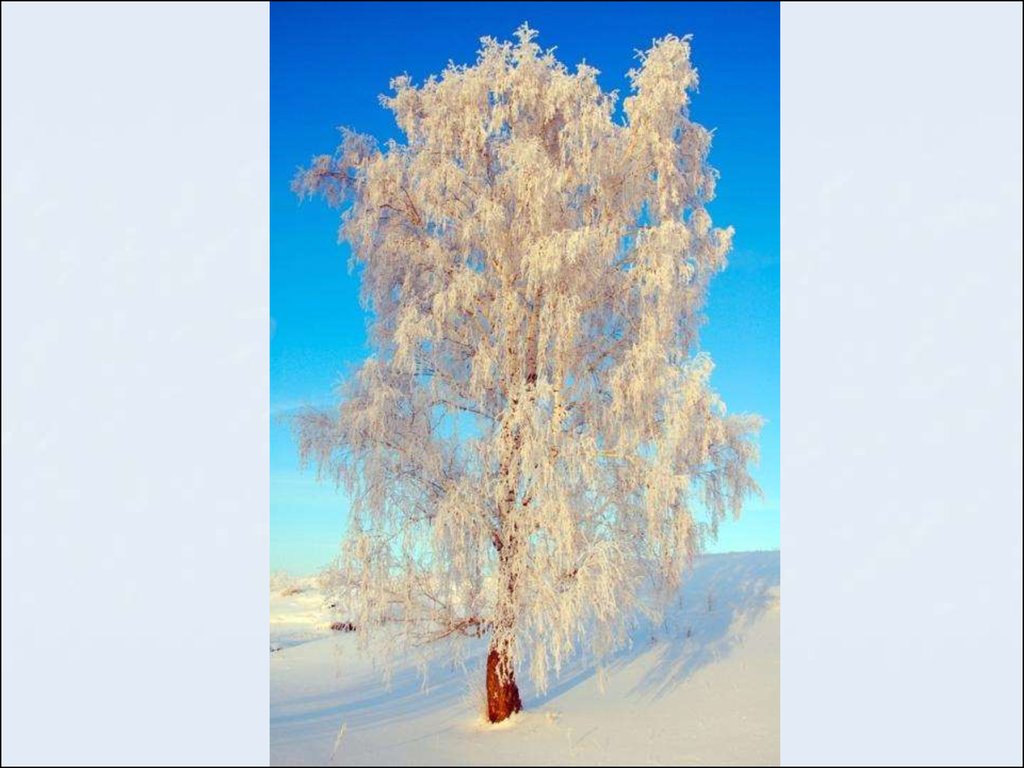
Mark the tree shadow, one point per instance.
(719, 602)
(722, 596)
(366, 702)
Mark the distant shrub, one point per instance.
(343, 626)
(284, 584)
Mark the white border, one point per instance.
(901, 384)
(135, 383)
(135, 222)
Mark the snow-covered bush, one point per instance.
(284, 584)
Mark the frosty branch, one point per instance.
(535, 436)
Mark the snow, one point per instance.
(703, 688)
(297, 614)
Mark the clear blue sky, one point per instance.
(329, 62)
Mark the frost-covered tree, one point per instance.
(534, 441)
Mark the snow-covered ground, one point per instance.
(297, 613)
(702, 689)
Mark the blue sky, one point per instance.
(328, 64)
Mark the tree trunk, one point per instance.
(502, 691)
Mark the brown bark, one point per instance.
(502, 692)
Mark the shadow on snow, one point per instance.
(721, 596)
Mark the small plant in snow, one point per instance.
(282, 583)
(535, 438)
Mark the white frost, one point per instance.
(535, 441)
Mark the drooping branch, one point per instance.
(534, 438)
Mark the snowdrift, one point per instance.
(701, 688)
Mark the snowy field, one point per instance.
(701, 689)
